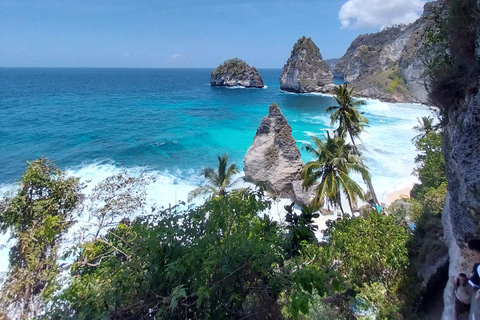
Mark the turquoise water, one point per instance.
(170, 123)
(159, 118)
(94, 122)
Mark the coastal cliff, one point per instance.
(274, 158)
(455, 90)
(389, 65)
(305, 70)
(235, 72)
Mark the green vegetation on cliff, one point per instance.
(307, 44)
(234, 67)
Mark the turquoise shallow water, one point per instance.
(169, 121)
(160, 118)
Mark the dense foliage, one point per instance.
(371, 253)
(452, 62)
(218, 261)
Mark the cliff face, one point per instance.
(414, 55)
(455, 89)
(305, 70)
(372, 53)
(274, 158)
(235, 72)
(389, 65)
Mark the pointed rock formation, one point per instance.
(274, 158)
(235, 72)
(305, 70)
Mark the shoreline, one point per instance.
(403, 193)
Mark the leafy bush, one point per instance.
(218, 261)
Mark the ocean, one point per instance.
(172, 123)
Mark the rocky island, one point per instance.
(305, 70)
(236, 72)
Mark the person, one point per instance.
(474, 280)
(463, 295)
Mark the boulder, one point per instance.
(305, 70)
(235, 72)
(274, 158)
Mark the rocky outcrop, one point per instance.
(274, 159)
(305, 70)
(235, 72)
(389, 65)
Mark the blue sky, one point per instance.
(184, 33)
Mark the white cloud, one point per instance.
(379, 13)
(176, 56)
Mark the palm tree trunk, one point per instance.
(369, 183)
(341, 208)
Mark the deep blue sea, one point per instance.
(94, 122)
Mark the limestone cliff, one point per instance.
(373, 53)
(235, 72)
(305, 70)
(389, 65)
(414, 54)
(455, 90)
(274, 158)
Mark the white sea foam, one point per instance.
(308, 93)
(388, 149)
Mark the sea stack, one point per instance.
(274, 158)
(305, 70)
(235, 72)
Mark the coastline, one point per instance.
(403, 193)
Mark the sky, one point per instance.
(185, 33)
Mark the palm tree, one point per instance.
(334, 161)
(217, 180)
(350, 121)
(425, 126)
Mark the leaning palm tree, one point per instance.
(334, 161)
(425, 126)
(217, 180)
(350, 121)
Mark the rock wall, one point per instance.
(372, 53)
(305, 70)
(274, 158)
(461, 140)
(414, 56)
(389, 65)
(235, 72)
(461, 213)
